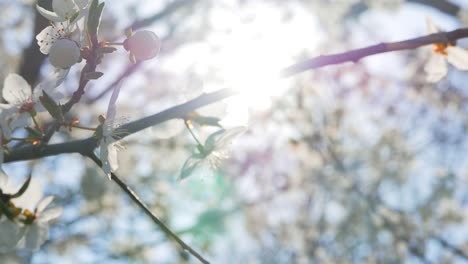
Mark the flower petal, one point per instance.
(458, 57)
(222, 138)
(431, 27)
(16, 89)
(109, 158)
(36, 235)
(44, 203)
(11, 233)
(81, 3)
(64, 8)
(50, 214)
(189, 166)
(46, 38)
(49, 14)
(3, 179)
(436, 68)
(112, 109)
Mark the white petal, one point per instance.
(46, 38)
(108, 155)
(44, 203)
(49, 15)
(190, 165)
(15, 89)
(50, 214)
(3, 179)
(81, 3)
(223, 138)
(36, 235)
(112, 157)
(64, 8)
(458, 57)
(436, 68)
(11, 233)
(31, 196)
(431, 27)
(111, 109)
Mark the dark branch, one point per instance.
(148, 212)
(85, 146)
(358, 54)
(443, 6)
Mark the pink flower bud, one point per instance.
(64, 53)
(144, 45)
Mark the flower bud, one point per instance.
(64, 53)
(144, 45)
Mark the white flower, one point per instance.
(108, 145)
(28, 229)
(57, 39)
(143, 45)
(21, 102)
(11, 233)
(213, 151)
(37, 232)
(63, 9)
(436, 68)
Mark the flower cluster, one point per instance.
(66, 34)
(20, 227)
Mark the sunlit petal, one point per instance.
(431, 27)
(458, 57)
(49, 15)
(15, 89)
(436, 68)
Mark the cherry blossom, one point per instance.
(212, 152)
(36, 228)
(436, 68)
(25, 229)
(108, 145)
(22, 103)
(63, 9)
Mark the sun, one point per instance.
(246, 49)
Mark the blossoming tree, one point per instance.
(329, 171)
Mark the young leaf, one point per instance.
(94, 18)
(51, 106)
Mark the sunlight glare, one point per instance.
(256, 46)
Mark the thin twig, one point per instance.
(148, 212)
(357, 54)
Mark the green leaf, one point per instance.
(94, 18)
(23, 188)
(51, 106)
(6, 210)
(204, 120)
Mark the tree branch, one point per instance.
(80, 146)
(147, 211)
(357, 54)
(87, 145)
